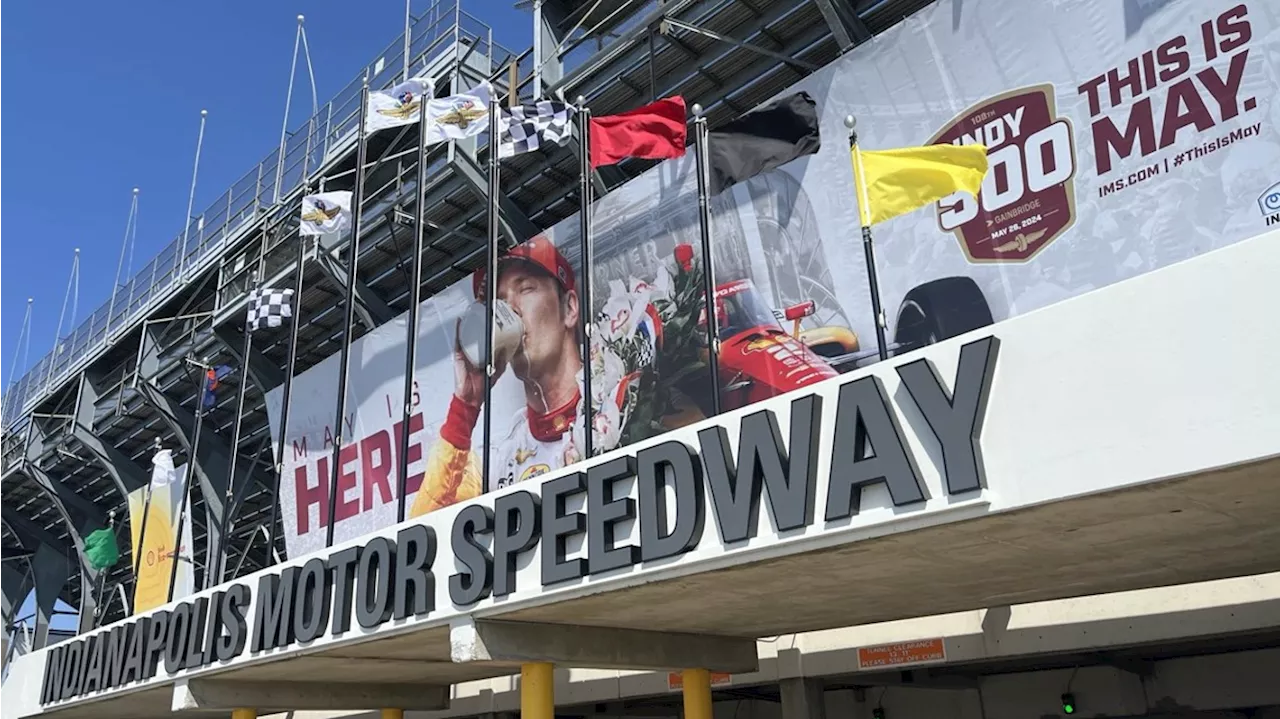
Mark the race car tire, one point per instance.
(939, 310)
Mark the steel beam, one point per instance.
(548, 33)
(15, 584)
(371, 308)
(79, 515)
(628, 41)
(124, 472)
(264, 373)
(833, 12)
(16, 552)
(515, 224)
(51, 568)
(718, 37)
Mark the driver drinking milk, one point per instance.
(538, 284)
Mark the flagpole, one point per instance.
(214, 565)
(286, 392)
(868, 244)
(415, 292)
(194, 443)
(13, 368)
(708, 266)
(191, 197)
(491, 284)
(584, 287)
(124, 247)
(344, 357)
(408, 44)
(288, 98)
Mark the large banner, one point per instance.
(157, 506)
(1123, 136)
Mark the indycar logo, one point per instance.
(322, 213)
(1028, 197)
(407, 107)
(464, 113)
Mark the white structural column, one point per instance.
(802, 698)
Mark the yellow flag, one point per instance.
(895, 182)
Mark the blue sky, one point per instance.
(104, 97)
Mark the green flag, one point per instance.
(101, 550)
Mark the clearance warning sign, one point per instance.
(900, 653)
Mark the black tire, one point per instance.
(940, 310)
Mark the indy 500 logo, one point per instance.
(1028, 198)
(1269, 204)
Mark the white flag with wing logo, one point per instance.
(458, 116)
(399, 105)
(324, 213)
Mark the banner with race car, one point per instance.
(1116, 147)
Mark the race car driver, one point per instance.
(538, 283)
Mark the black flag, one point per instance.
(763, 139)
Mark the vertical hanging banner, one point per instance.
(1115, 147)
(157, 542)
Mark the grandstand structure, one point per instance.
(80, 427)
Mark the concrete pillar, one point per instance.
(697, 693)
(537, 691)
(802, 698)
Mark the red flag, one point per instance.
(652, 132)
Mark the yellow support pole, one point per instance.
(392, 714)
(697, 693)
(537, 691)
(244, 714)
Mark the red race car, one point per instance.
(758, 358)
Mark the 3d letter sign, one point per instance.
(394, 577)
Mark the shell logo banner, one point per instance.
(153, 520)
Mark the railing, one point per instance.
(328, 133)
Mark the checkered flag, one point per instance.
(528, 127)
(269, 308)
